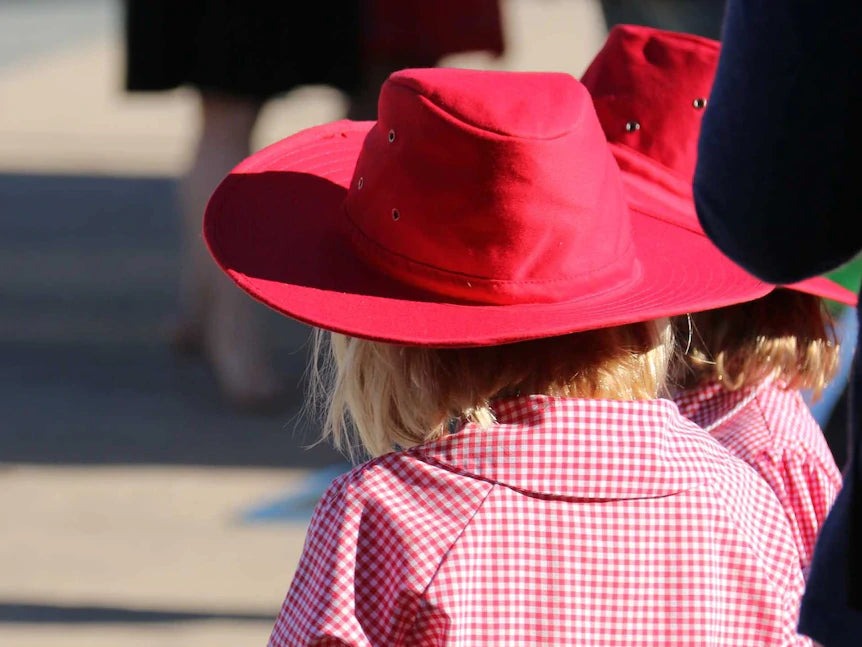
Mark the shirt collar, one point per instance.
(711, 405)
(584, 449)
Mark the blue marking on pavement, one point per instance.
(297, 503)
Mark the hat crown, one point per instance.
(650, 88)
(490, 187)
(503, 103)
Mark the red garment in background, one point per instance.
(425, 31)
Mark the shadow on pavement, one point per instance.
(43, 613)
(89, 267)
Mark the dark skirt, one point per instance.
(247, 49)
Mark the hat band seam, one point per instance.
(628, 251)
(644, 211)
(488, 290)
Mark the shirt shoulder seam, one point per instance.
(792, 448)
(721, 492)
(445, 555)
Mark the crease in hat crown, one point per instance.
(504, 188)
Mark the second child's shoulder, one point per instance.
(736, 485)
(728, 479)
(792, 427)
(747, 511)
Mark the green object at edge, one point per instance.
(848, 275)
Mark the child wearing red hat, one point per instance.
(740, 379)
(499, 339)
(741, 367)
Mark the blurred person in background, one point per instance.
(239, 55)
(398, 34)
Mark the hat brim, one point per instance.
(276, 226)
(825, 288)
(655, 193)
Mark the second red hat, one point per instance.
(650, 88)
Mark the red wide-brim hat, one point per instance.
(650, 88)
(482, 208)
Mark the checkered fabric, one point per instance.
(771, 428)
(570, 522)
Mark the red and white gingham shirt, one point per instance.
(570, 522)
(772, 429)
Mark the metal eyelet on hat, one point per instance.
(361, 183)
(632, 126)
(699, 103)
(395, 214)
(391, 136)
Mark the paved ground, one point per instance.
(137, 508)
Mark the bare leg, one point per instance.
(217, 318)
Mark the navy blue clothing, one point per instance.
(773, 185)
(776, 189)
(823, 616)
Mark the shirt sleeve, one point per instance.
(375, 541)
(806, 487)
(774, 186)
(791, 613)
(319, 608)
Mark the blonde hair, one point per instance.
(786, 335)
(387, 396)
